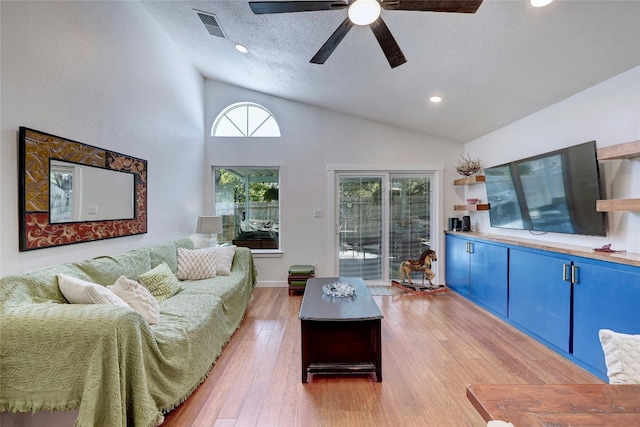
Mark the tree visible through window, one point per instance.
(248, 201)
(245, 119)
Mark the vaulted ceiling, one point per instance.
(491, 68)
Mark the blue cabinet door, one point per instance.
(457, 264)
(488, 274)
(606, 296)
(539, 298)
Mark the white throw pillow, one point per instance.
(622, 355)
(224, 259)
(196, 264)
(138, 297)
(78, 291)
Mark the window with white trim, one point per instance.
(247, 198)
(245, 119)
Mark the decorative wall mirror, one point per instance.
(72, 192)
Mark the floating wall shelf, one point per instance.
(620, 205)
(628, 150)
(478, 207)
(475, 179)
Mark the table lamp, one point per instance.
(211, 226)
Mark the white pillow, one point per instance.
(622, 355)
(138, 297)
(196, 264)
(224, 259)
(78, 291)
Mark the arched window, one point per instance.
(245, 119)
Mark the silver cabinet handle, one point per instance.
(574, 274)
(565, 276)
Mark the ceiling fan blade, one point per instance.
(329, 46)
(388, 43)
(459, 6)
(262, 7)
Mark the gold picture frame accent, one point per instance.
(35, 153)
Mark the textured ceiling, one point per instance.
(492, 68)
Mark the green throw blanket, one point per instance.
(107, 360)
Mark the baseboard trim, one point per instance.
(272, 284)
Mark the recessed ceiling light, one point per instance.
(540, 3)
(435, 99)
(241, 48)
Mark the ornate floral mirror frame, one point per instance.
(35, 151)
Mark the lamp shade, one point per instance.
(209, 225)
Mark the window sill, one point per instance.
(267, 253)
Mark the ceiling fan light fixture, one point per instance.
(364, 12)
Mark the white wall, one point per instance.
(608, 113)
(313, 138)
(102, 73)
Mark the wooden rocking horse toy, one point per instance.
(423, 265)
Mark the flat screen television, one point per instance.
(552, 192)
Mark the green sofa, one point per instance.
(106, 360)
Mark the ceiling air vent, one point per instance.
(211, 24)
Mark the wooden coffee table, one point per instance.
(558, 405)
(340, 335)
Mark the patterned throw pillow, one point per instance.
(622, 355)
(138, 297)
(224, 259)
(196, 264)
(78, 291)
(161, 282)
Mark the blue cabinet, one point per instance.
(457, 265)
(565, 300)
(540, 295)
(478, 270)
(606, 296)
(561, 299)
(489, 282)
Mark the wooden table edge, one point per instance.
(471, 396)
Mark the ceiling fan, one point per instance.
(364, 12)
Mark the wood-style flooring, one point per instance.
(432, 348)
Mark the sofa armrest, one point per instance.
(60, 356)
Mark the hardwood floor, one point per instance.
(433, 347)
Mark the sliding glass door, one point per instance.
(360, 226)
(382, 220)
(410, 219)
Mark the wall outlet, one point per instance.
(92, 210)
(317, 213)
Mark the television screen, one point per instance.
(554, 192)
